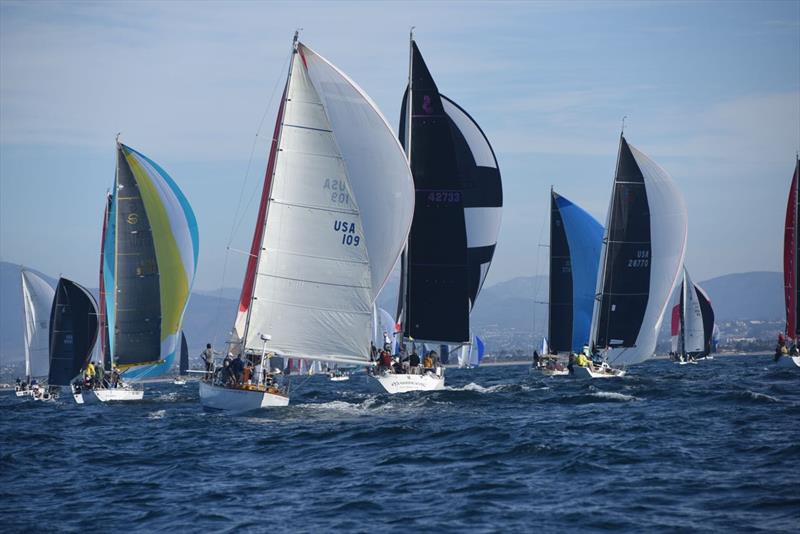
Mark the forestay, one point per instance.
(338, 209)
(37, 299)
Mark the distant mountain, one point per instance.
(517, 305)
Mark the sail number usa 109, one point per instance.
(348, 231)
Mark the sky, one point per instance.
(711, 91)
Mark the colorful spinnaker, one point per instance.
(149, 261)
(575, 242)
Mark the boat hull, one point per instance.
(586, 372)
(118, 394)
(789, 362)
(238, 400)
(394, 383)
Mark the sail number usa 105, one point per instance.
(348, 232)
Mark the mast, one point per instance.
(277, 143)
(601, 273)
(402, 302)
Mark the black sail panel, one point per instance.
(73, 332)
(183, 364)
(137, 326)
(559, 324)
(436, 302)
(626, 280)
(482, 192)
(708, 320)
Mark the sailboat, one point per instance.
(73, 334)
(692, 325)
(37, 300)
(149, 256)
(183, 363)
(457, 214)
(471, 354)
(791, 245)
(642, 255)
(335, 211)
(575, 242)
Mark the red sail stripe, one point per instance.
(676, 320)
(255, 248)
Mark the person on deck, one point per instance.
(386, 360)
(387, 341)
(114, 377)
(413, 360)
(237, 367)
(208, 359)
(582, 361)
(427, 363)
(90, 374)
(101, 375)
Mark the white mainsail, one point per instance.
(37, 298)
(693, 337)
(339, 211)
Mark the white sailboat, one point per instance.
(37, 299)
(692, 324)
(335, 211)
(642, 255)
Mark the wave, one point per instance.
(613, 395)
(158, 414)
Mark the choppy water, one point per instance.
(711, 447)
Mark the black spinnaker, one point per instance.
(73, 331)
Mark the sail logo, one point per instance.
(132, 218)
(338, 191)
(427, 106)
(348, 231)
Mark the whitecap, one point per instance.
(158, 414)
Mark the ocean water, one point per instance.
(708, 447)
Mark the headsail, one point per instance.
(37, 299)
(457, 215)
(692, 323)
(335, 213)
(791, 245)
(709, 326)
(575, 241)
(150, 259)
(183, 363)
(643, 250)
(73, 332)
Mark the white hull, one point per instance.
(339, 378)
(238, 400)
(692, 362)
(179, 382)
(394, 383)
(22, 392)
(789, 362)
(604, 372)
(118, 394)
(553, 372)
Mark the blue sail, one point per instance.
(584, 236)
(480, 347)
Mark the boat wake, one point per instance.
(615, 396)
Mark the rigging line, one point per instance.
(239, 212)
